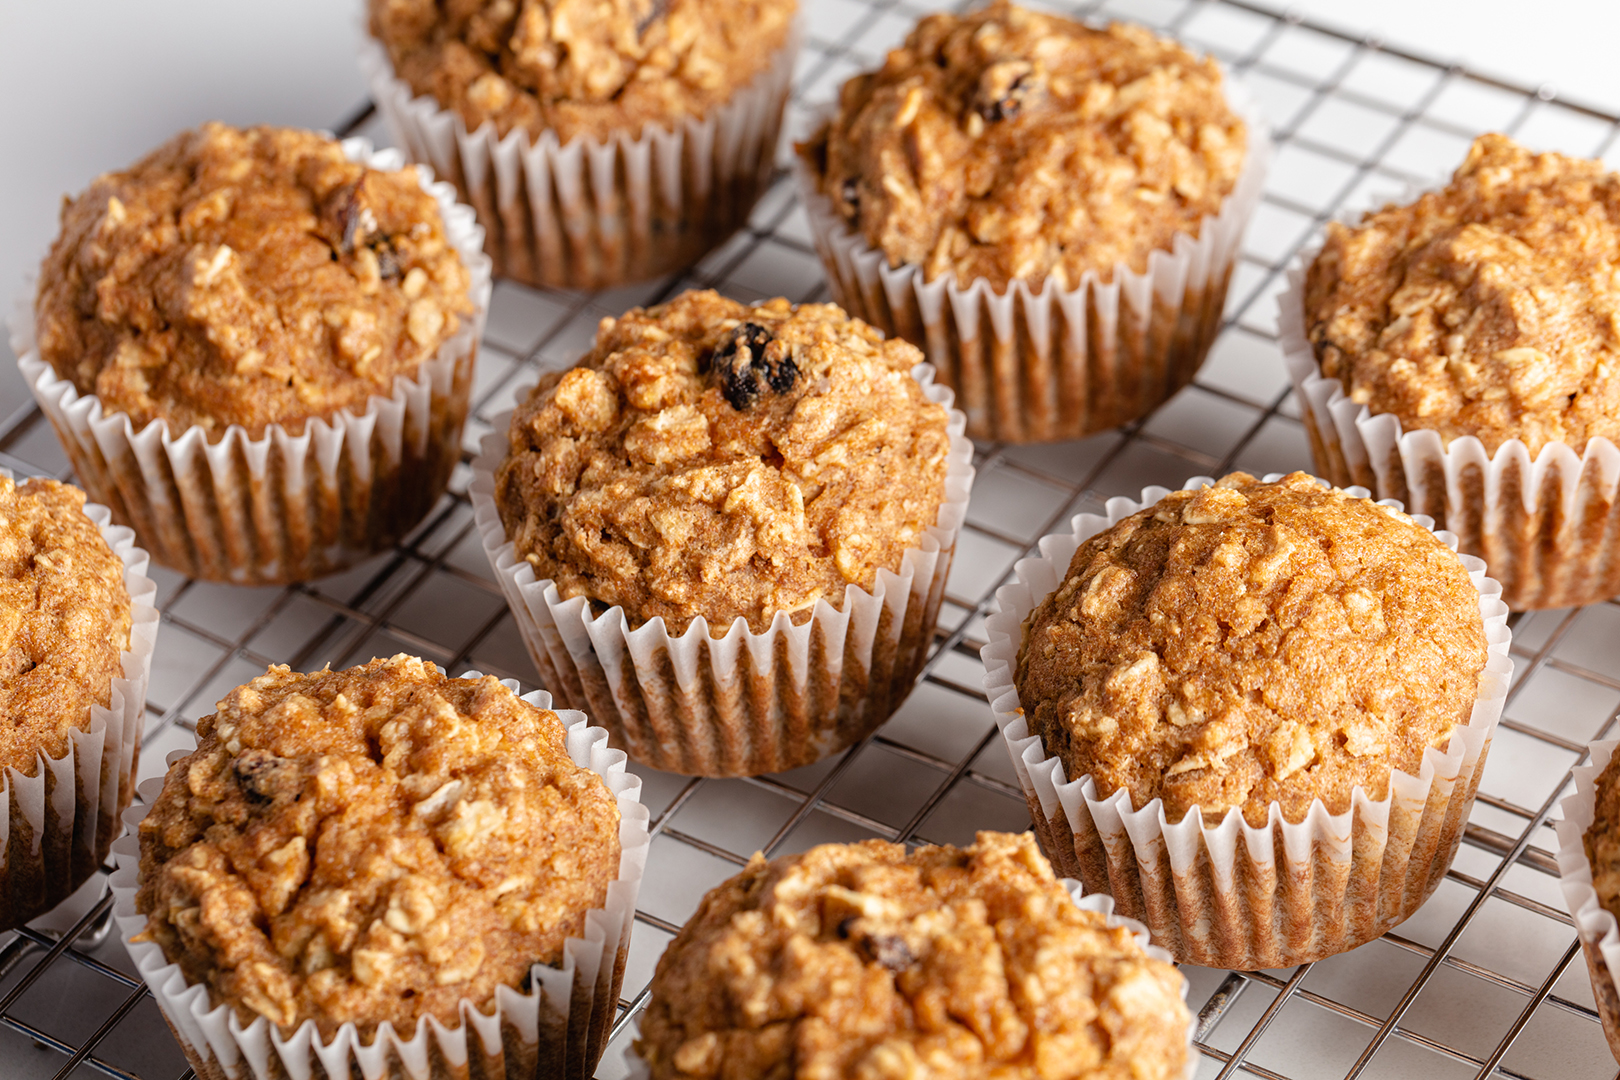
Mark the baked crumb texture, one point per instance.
(257, 351)
(1477, 326)
(380, 844)
(862, 961)
(249, 277)
(1263, 709)
(1488, 308)
(72, 718)
(1248, 644)
(1009, 145)
(1052, 211)
(580, 67)
(714, 475)
(612, 140)
(1593, 897)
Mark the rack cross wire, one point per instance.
(1484, 981)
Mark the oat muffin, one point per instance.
(1487, 308)
(369, 845)
(65, 617)
(247, 277)
(1602, 838)
(580, 67)
(1252, 643)
(713, 458)
(862, 961)
(1007, 145)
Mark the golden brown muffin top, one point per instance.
(372, 844)
(713, 458)
(247, 277)
(858, 960)
(64, 619)
(1251, 643)
(1010, 144)
(1602, 838)
(580, 67)
(1488, 308)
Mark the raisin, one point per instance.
(741, 387)
(261, 773)
(742, 356)
(1003, 89)
(387, 260)
(782, 374)
(891, 951)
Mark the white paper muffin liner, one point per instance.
(1047, 363)
(57, 825)
(589, 214)
(558, 1028)
(280, 507)
(1594, 925)
(745, 703)
(1101, 903)
(1548, 528)
(1288, 893)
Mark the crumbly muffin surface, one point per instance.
(1250, 643)
(580, 67)
(372, 844)
(247, 277)
(64, 619)
(713, 458)
(861, 961)
(1488, 308)
(1008, 144)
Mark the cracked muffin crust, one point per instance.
(1251, 643)
(247, 277)
(372, 844)
(713, 458)
(1007, 144)
(580, 67)
(65, 618)
(1488, 308)
(862, 961)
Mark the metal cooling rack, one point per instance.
(1484, 981)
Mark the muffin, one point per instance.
(1075, 194)
(363, 854)
(76, 634)
(1589, 872)
(861, 960)
(1459, 352)
(600, 143)
(256, 346)
(726, 531)
(1297, 663)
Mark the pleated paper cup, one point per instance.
(589, 213)
(1596, 927)
(1227, 894)
(57, 825)
(1548, 528)
(745, 703)
(557, 1028)
(1098, 902)
(282, 507)
(1043, 363)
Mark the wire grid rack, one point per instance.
(1483, 981)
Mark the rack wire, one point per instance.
(1483, 981)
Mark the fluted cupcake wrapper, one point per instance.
(281, 507)
(745, 703)
(57, 825)
(1048, 363)
(1225, 893)
(558, 1028)
(1594, 925)
(589, 214)
(1547, 527)
(1098, 902)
